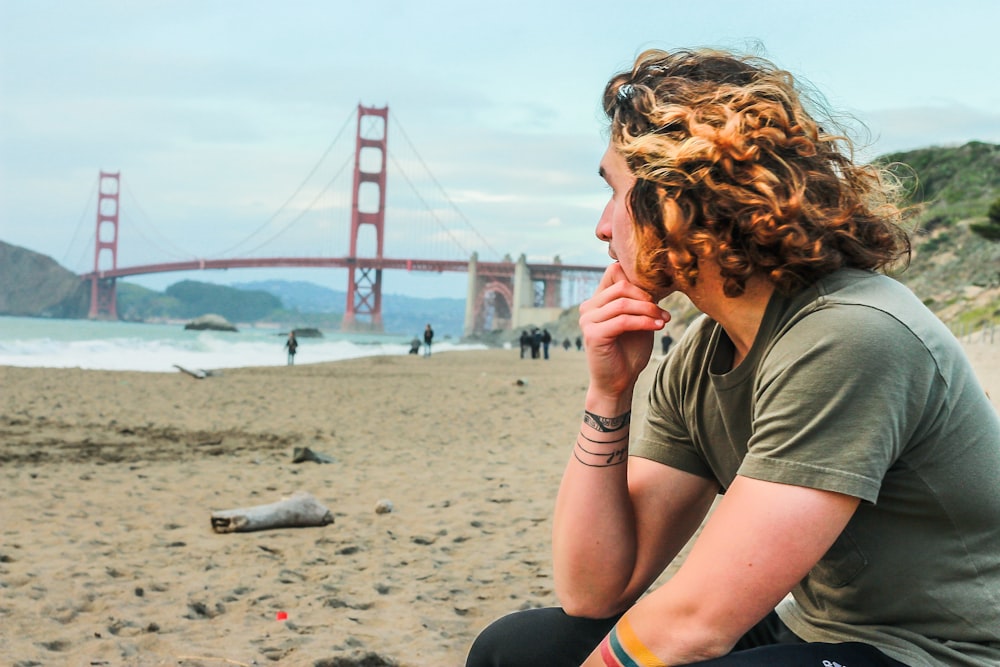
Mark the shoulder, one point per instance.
(858, 318)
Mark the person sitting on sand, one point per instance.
(856, 452)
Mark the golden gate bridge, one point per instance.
(501, 294)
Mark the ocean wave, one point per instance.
(157, 348)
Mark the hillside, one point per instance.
(34, 285)
(954, 271)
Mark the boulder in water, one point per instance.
(210, 322)
(307, 332)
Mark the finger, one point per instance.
(606, 329)
(624, 292)
(618, 318)
(614, 282)
(607, 305)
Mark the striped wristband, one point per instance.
(622, 648)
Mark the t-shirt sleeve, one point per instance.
(665, 437)
(834, 401)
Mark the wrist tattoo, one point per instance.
(601, 459)
(604, 442)
(606, 424)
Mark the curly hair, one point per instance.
(730, 165)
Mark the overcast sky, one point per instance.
(216, 113)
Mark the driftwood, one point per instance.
(197, 373)
(298, 511)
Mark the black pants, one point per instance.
(551, 638)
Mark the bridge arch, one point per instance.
(494, 306)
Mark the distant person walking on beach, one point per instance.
(546, 341)
(428, 337)
(821, 426)
(292, 344)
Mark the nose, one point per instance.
(603, 231)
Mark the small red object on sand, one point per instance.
(282, 616)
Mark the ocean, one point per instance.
(157, 348)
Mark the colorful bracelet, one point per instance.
(622, 648)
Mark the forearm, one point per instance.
(594, 529)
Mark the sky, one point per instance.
(218, 116)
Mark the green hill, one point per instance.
(954, 271)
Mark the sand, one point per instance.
(108, 481)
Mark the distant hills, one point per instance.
(291, 303)
(400, 314)
(954, 271)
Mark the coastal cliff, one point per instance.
(34, 285)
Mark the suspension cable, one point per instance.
(302, 214)
(281, 208)
(172, 250)
(430, 210)
(79, 226)
(443, 192)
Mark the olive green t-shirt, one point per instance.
(853, 386)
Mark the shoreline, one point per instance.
(109, 479)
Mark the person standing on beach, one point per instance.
(292, 344)
(428, 337)
(851, 454)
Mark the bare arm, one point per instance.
(618, 522)
(615, 531)
(760, 541)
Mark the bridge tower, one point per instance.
(364, 286)
(102, 290)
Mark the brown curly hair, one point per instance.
(724, 150)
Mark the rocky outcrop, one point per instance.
(210, 322)
(308, 332)
(34, 285)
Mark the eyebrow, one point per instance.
(603, 174)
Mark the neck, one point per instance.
(740, 316)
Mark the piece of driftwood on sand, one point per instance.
(300, 510)
(198, 373)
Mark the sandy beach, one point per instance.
(108, 481)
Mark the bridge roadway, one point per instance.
(512, 281)
(491, 269)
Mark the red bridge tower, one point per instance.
(102, 290)
(364, 285)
